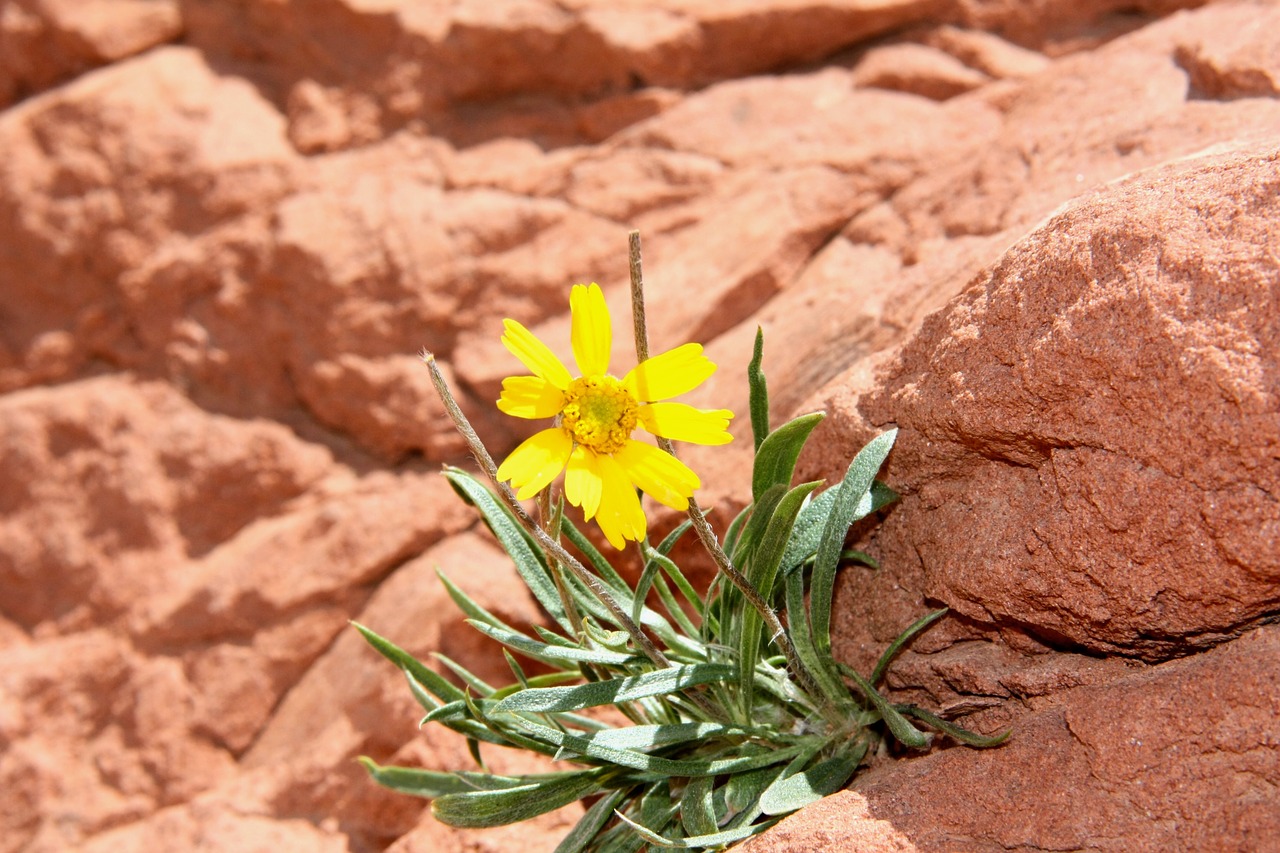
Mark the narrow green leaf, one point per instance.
(758, 392)
(855, 485)
(952, 730)
(477, 684)
(698, 842)
(410, 780)
(789, 793)
(669, 541)
(697, 811)
(677, 577)
(585, 830)
(915, 628)
(657, 765)
(548, 653)
(906, 734)
(647, 575)
(761, 513)
(655, 736)
(776, 459)
(514, 540)
(467, 605)
(415, 669)
(818, 665)
(435, 783)
(807, 532)
(615, 690)
(477, 809)
(604, 569)
(762, 572)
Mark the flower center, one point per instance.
(599, 413)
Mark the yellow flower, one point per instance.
(591, 441)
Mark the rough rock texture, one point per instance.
(1040, 238)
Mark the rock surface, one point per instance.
(1040, 238)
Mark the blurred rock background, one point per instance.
(1043, 238)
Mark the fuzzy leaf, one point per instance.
(789, 793)
(952, 730)
(657, 765)
(850, 493)
(414, 668)
(586, 829)
(758, 393)
(615, 690)
(762, 572)
(776, 459)
(548, 653)
(914, 628)
(512, 805)
(514, 541)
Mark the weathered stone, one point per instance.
(1099, 469)
(1177, 756)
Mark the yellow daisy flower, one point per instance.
(596, 414)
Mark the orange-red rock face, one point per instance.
(1041, 238)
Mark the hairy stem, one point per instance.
(707, 536)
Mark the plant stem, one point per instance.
(779, 635)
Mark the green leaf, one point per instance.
(476, 809)
(952, 730)
(789, 793)
(776, 459)
(915, 628)
(761, 512)
(758, 392)
(906, 734)
(850, 493)
(643, 585)
(655, 736)
(435, 783)
(432, 681)
(762, 572)
(697, 842)
(819, 666)
(615, 690)
(514, 540)
(586, 829)
(604, 569)
(419, 783)
(657, 765)
(548, 653)
(806, 534)
(697, 810)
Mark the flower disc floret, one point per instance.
(599, 413)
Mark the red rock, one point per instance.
(112, 485)
(987, 53)
(917, 69)
(1152, 756)
(221, 260)
(46, 42)
(1109, 485)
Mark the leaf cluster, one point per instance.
(725, 733)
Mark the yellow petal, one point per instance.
(591, 335)
(536, 462)
(620, 516)
(535, 355)
(670, 374)
(582, 482)
(662, 476)
(530, 397)
(679, 422)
